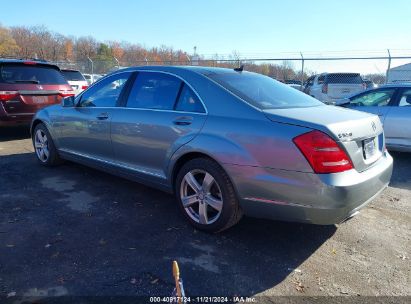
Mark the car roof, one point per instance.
(176, 69)
(69, 70)
(32, 61)
(396, 85)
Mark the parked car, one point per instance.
(370, 84)
(295, 84)
(91, 78)
(88, 78)
(76, 80)
(226, 142)
(392, 103)
(330, 87)
(26, 87)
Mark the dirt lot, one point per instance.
(73, 230)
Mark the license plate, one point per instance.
(74, 87)
(40, 99)
(370, 147)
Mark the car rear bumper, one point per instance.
(15, 119)
(323, 199)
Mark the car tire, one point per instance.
(213, 206)
(44, 147)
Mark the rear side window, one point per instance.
(153, 90)
(189, 102)
(345, 78)
(36, 74)
(263, 92)
(321, 79)
(405, 100)
(374, 99)
(73, 75)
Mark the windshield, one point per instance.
(36, 74)
(263, 92)
(73, 76)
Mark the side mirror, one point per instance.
(68, 102)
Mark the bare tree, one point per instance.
(8, 46)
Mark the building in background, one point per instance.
(400, 73)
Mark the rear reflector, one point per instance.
(7, 95)
(64, 93)
(323, 153)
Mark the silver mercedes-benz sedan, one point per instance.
(392, 103)
(226, 142)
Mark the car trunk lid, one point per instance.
(341, 90)
(31, 97)
(359, 134)
(341, 85)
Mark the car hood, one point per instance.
(341, 123)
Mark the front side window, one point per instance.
(189, 102)
(405, 100)
(153, 90)
(263, 92)
(106, 92)
(374, 99)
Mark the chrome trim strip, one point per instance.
(183, 80)
(262, 200)
(160, 110)
(112, 163)
(39, 92)
(19, 114)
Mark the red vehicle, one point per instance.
(26, 87)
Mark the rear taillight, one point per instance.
(84, 87)
(7, 95)
(324, 88)
(66, 93)
(323, 153)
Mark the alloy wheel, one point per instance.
(41, 145)
(201, 197)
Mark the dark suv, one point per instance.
(26, 87)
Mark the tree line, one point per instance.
(41, 43)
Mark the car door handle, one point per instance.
(102, 116)
(183, 121)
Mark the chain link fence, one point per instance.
(375, 68)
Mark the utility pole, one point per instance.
(389, 66)
(302, 71)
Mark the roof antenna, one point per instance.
(240, 69)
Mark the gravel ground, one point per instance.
(71, 230)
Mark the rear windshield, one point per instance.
(263, 92)
(36, 74)
(344, 78)
(73, 75)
